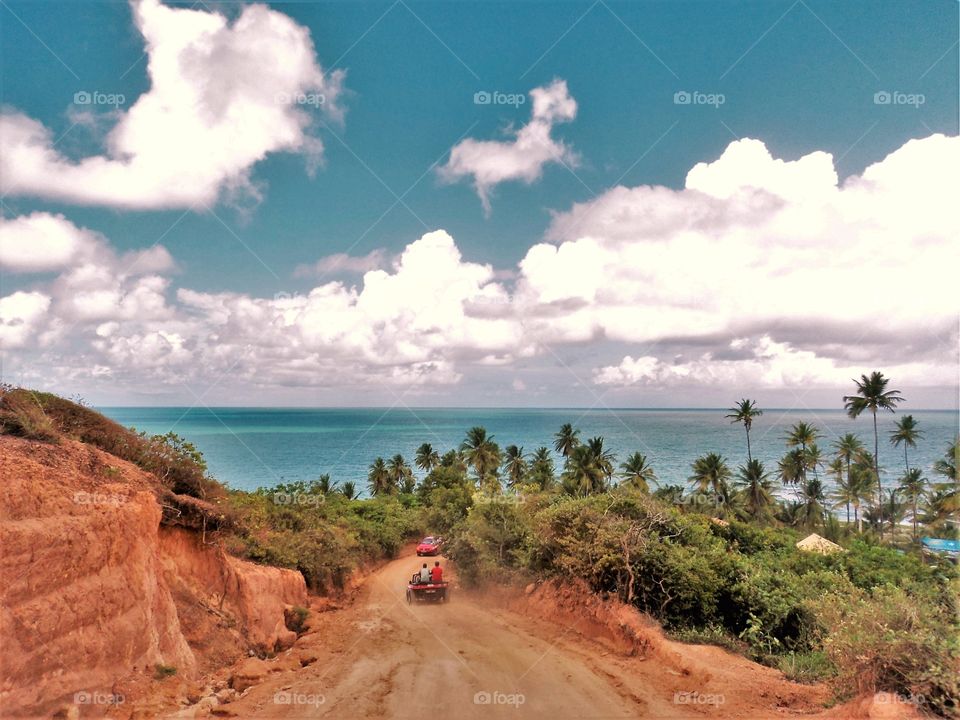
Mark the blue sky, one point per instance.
(799, 77)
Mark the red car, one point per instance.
(430, 546)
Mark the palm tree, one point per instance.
(454, 459)
(710, 472)
(892, 511)
(947, 466)
(604, 459)
(812, 499)
(399, 470)
(861, 490)
(841, 492)
(481, 453)
(427, 458)
(847, 449)
(566, 440)
(583, 476)
(913, 487)
(744, 412)
(906, 434)
(637, 473)
(943, 503)
(803, 435)
(754, 482)
(515, 465)
(378, 478)
(349, 490)
(324, 484)
(792, 467)
(872, 395)
(541, 468)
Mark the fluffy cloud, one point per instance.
(780, 277)
(94, 285)
(223, 95)
(410, 323)
(762, 363)
(20, 314)
(41, 242)
(491, 162)
(754, 243)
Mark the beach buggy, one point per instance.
(422, 587)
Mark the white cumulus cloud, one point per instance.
(223, 95)
(491, 162)
(754, 242)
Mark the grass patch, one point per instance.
(162, 672)
(810, 667)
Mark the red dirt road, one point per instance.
(383, 658)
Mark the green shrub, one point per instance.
(161, 671)
(892, 641)
(21, 414)
(295, 619)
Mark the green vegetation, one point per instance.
(296, 619)
(162, 672)
(715, 562)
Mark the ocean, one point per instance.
(249, 448)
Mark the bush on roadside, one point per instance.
(887, 640)
(21, 414)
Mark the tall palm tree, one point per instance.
(541, 468)
(637, 473)
(582, 475)
(515, 465)
(913, 486)
(481, 453)
(872, 395)
(566, 439)
(906, 434)
(744, 412)
(349, 490)
(754, 482)
(710, 472)
(378, 478)
(427, 458)
(802, 434)
(604, 459)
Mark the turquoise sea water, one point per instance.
(253, 447)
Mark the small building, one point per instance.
(817, 544)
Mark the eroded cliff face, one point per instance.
(96, 593)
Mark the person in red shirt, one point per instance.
(436, 573)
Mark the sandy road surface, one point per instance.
(383, 658)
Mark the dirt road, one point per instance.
(383, 658)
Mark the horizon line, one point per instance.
(482, 407)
